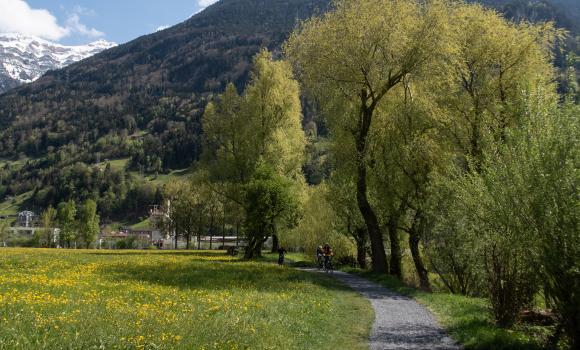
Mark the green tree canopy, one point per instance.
(89, 226)
(66, 217)
(351, 58)
(269, 201)
(261, 129)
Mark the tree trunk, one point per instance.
(249, 252)
(176, 240)
(379, 256)
(361, 256)
(254, 248)
(275, 243)
(361, 249)
(199, 230)
(414, 239)
(211, 232)
(224, 227)
(188, 239)
(476, 151)
(396, 264)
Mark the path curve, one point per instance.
(400, 322)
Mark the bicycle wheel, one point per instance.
(327, 265)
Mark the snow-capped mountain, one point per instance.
(24, 58)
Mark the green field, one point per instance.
(13, 205)
(62, 299)
(160, 179)
(116, 164)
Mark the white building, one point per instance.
(26, 219)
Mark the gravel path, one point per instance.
(400, 322)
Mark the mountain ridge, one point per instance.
(25, 58)
(143, 100)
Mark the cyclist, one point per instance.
(320, 257)
(327, 251)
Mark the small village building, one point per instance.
(27, 219)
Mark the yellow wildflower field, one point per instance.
(67, 299)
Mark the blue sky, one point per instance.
(73, 22)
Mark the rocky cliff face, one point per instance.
(23, 58)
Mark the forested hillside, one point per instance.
(143, 102)
(565, 12)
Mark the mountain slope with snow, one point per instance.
(23, 58)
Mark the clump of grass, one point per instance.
(55, 299)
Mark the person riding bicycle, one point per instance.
(319, 256)
(327, 252)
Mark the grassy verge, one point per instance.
(55, 299)
(291, 259)
(468, 320)
(145, 224)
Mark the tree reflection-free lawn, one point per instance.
(186, 300)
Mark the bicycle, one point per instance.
(328, 267)
(320, 261)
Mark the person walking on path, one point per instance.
(320, 257)
(281, 252)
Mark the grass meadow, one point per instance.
(64, 299)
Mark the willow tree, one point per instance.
(270, 202)
(340, 195)
(351, 58)
(407, 150)
(228, 152)
(261, 128)
(497, 71)
(502, 78)
(498, 64)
